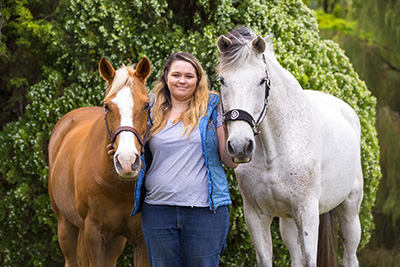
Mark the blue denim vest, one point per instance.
(218, 189)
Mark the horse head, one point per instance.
(126, 107)
(244, 90)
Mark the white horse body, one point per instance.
(305, 162)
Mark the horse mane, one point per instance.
(123, 77)
(236, 54)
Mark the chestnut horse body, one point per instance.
(92, 195)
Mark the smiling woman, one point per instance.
(184, 177)
(190, 69)
(182, 81)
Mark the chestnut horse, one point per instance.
(91, 194)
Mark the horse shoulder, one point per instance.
(66, 135)
(73, 122)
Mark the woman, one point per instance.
(183, 195)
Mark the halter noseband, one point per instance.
(114, 135)
(242, 115)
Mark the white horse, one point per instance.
(305, 151)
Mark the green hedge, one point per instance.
(84, 31)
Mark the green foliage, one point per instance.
(82, 31)
(24, 40)
(331, 22)
(380, 21)
(380, 257)
(338, 8)
(389, 197)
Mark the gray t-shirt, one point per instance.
(178, 174)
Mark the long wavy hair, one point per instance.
(162, 102)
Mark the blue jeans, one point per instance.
(184, 236)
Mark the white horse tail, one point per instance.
(327, 240)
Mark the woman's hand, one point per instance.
(222, 135)
(110, 150)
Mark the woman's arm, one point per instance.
(225, 158)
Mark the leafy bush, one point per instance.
(85, 30)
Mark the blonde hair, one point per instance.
(162, 103)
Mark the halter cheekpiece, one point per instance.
(113, 136)
(242, 115)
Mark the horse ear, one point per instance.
(106, 70)
(143, 69)
(223, 43)
(268, 38)
(258, 44)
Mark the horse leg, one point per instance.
(349, 222)
(141, 258)
(259, 225)
(136, 239)
(100, 247)
(306, 218)
(83, 257)
(290, 237)
(115, 248)
(68, 240)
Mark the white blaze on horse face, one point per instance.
(241, 89)
(126, 158)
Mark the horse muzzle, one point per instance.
(241, 151)
(127, 170)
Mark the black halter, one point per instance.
(241, 115)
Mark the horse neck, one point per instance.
(288, 106)
(286, 94)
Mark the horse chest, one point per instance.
(277, 187)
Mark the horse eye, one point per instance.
(106, 108)
(146, 105)
(264, 80)
(222, 80)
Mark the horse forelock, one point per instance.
(123, 77)
(239, 51)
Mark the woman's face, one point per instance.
(181, 80)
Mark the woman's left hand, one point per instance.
(110, 150)
(222, 136)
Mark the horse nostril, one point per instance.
(118, 164)
(250, 147)
(230, 148)
(136, 164)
